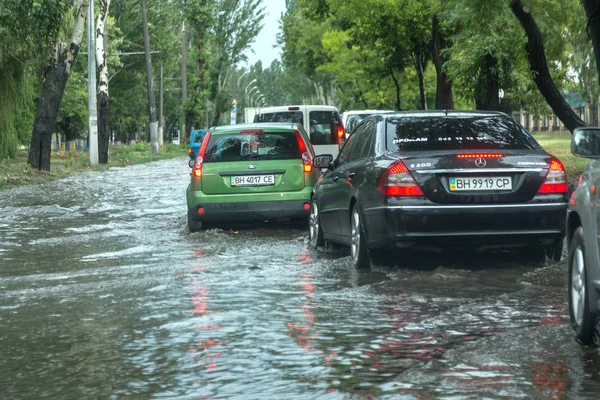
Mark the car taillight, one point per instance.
(306, 158)
(480, 155)
(197, 171)
(341, 136)
(397, 181)
(556, 179)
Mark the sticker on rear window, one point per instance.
(409, 140)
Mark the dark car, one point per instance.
(582, 236)
(470, 180)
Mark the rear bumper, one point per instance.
(254, 211)
(248, 206)
(466, 225)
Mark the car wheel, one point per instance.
(193, 225)
(554, 252)
(315, 232)
(358, 248)
(582, 321)
(536, 254)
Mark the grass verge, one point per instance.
(16, 172)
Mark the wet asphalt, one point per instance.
(105, 294)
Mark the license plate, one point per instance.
(480, 183)
(253, 180)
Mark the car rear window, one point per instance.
(320, 127)
(457, 133)
(281, 116)
(252, 146)
(198, 137)
(354, 120)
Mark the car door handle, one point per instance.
(350, 175)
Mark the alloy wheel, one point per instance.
(578, 285)
(314, 221)
(355, 248)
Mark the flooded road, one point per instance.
(105, 294)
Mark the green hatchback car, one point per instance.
(251, 172)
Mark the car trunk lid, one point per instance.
(479, 177)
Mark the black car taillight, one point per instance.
(397, 181)
(556, 179)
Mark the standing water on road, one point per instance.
(104, 293)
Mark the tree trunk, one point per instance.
(592, 10)
(54, 81)
(397, 84)
(539, 67)
(103, 78)
(421, 75)
(486, 92)
(151, 101)
(444, 99)
(190, 116)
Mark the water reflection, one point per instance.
(105, 295)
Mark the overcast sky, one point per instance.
(267, 38)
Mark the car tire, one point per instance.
(379, 256)
(315, 232)
(555, 251)
(358, 247)
(193, 225)
(300, 223)
(583, 322)
(536, 254)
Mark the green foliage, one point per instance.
(236, 25)
(28, 29)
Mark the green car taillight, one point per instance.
(197, 171)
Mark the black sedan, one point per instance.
(468, 180)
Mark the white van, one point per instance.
(322, 123)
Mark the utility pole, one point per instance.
(161, 118)
(92, 111)
(151, 102)
(183, 74)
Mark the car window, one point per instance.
(472, 132)
(281, 116)
(198, 137)
(255, 146)
(353, 120)
(320, 127)
(368, 138)
(343, 157)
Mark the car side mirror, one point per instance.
(585, 142)
(323, 161)
(191, 163)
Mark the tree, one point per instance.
(592, 11)
(236, 25)
(26, 26)
(54, 80)
(539, 67)
(103, 77)
(151, 101)
(444, 99)
(199, 18)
